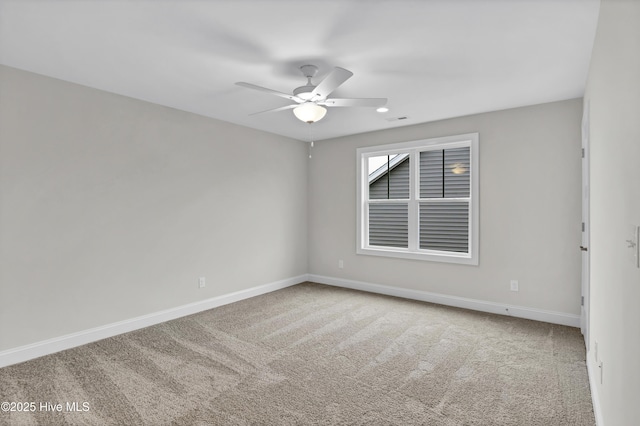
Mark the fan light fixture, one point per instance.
(309, 112)
(311, 101)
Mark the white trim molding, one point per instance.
(413, 200)
(57, 344)
(459, 302)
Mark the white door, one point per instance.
(584, 317)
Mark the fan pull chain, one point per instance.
(310, 138)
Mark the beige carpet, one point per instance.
(314, 354)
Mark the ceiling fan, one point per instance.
(310, 101)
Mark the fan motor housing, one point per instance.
(309, 71)
(304, 92)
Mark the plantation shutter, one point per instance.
(419, 199)
(393, 184)
(389, 222)
(389, 225)
(444, 200)
(444, 226)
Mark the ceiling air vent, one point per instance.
(397, 118)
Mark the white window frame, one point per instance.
(413, 148)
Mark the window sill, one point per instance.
(463, 259)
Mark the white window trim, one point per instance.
(413, 148)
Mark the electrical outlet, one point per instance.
(201, 282)
(340, 264)
(514, 285)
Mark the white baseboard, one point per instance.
(57, 344)
(46, 347)
(594, 373)
(459, 302)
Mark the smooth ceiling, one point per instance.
(431, 59)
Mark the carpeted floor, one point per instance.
(314, 354)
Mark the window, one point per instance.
(419, 200)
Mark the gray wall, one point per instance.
(111, 208)
(613, 96)
(530, 210)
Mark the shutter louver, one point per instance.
(388, 225)
(431, 174)
(456, 173)
(444, 226)
(397, 188)
(445, 173)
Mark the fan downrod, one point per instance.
(304, 92)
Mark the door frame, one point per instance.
(586, 260)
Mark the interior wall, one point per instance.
(613, 96)
(112, 208)
(530, 210)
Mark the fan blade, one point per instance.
(273, 92)
(331, 83)
(276, 109)
(354, 102)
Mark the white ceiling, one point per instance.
(432, 59)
